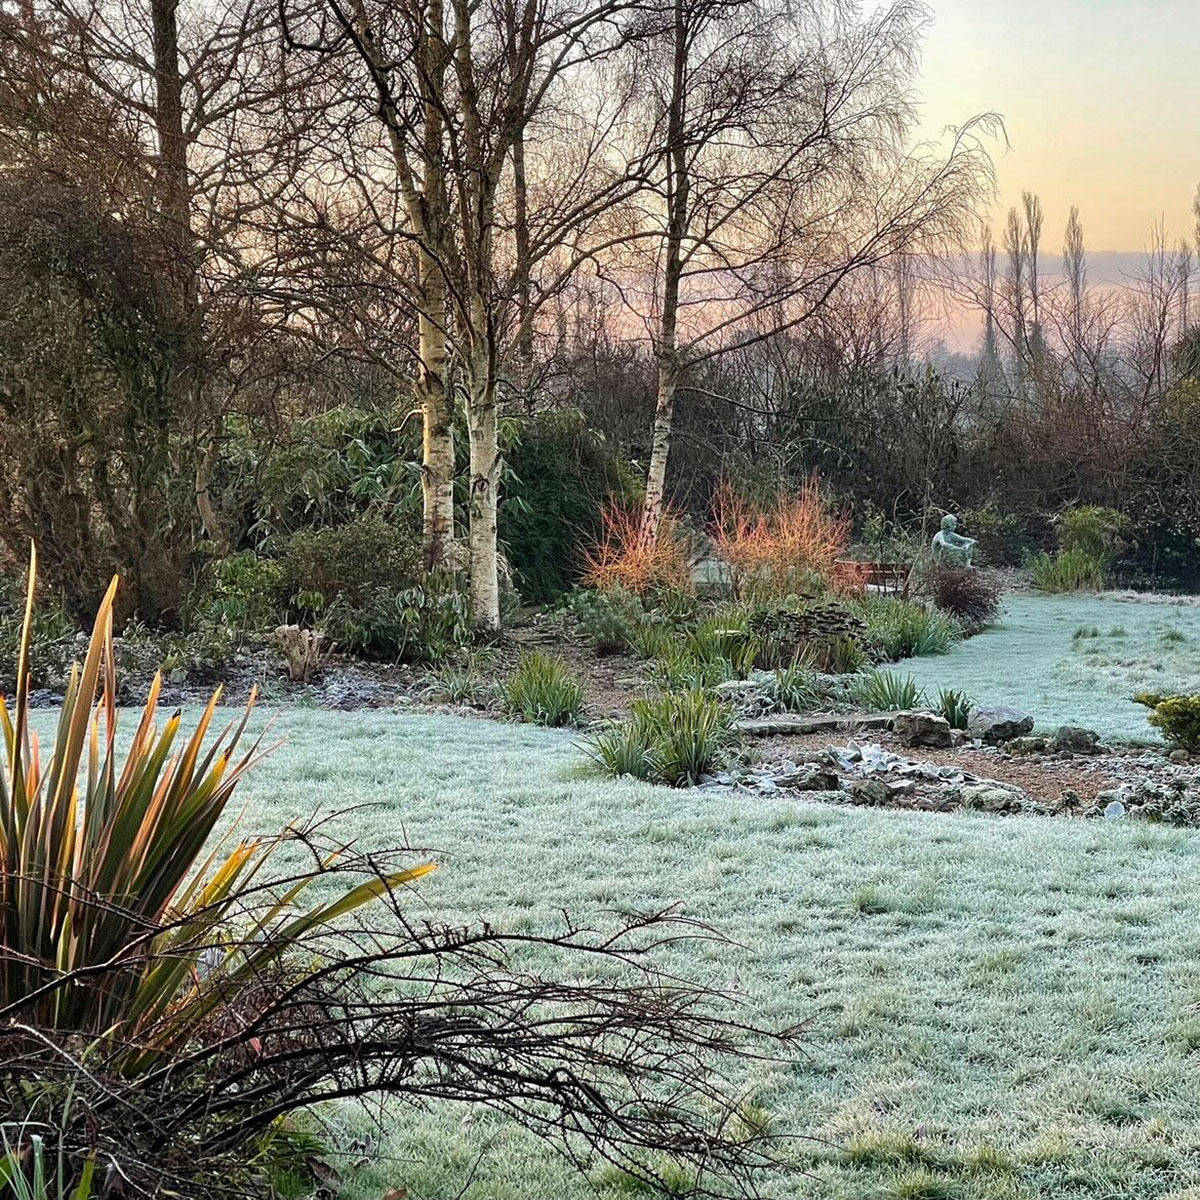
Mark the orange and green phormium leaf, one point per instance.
(114, 921)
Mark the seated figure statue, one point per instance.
(950, 547)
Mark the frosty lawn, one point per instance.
(1076, 660)
(998, 1008)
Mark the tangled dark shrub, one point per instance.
(970, 595)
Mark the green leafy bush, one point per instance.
(955, 705)
(331, 469)
(885, 691)
(971, 597)
(560, 473)
(674, 738)
(1091, 529)
(352, 563)
(418, 624)
(1177, 716)
(248, 594)
(1068, 571)
(608, 620)
(543, 691)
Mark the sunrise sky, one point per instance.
(1101, 99)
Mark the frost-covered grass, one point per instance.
(1076, 660)
(998, 1009)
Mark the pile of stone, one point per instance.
(870, 775)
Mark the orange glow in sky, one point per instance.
(1101, 100)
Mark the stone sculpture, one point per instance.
(950, 547)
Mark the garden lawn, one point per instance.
(1076, 660)
(996, 1008)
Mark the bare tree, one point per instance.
(781, 172)
(508, 233)
(209, 102)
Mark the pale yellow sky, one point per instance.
(1101, 100)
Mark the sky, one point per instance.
(1100, 98)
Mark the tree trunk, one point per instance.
(171, 177)
(437, 412)
(667, 343)
(482, 427)
(430, 216)
(524, 347)
(174, 189)
(660, 446)
(213, 525)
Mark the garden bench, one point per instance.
(890, 578)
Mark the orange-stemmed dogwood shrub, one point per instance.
(632, 555)
(790, 546)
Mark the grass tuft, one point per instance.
(543, 691)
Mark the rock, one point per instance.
(918, 727)
(990, 796)
(1179, 756)
(782, 724)
(817, 781)
(1026, 745)
(871, 792)
(900, 787)
(1075, 740)
(799, 779)
(999, 723)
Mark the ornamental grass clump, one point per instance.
(899, 628)
(543, 691)
(885, 691)
(1069, 571)
(675, 738)
(956, 706)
